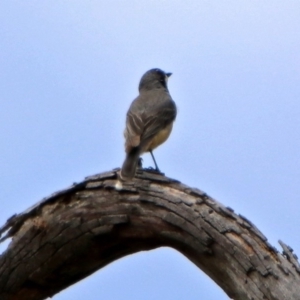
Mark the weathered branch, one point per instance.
(75, 232)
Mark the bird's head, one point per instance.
(153, 79)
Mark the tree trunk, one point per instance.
(95, 224)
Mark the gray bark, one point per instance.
(75, 232)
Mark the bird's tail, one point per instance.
(130, 164)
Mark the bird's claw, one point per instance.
(153, 170)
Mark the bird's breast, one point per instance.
(160, 137)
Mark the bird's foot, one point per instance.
(153, 170)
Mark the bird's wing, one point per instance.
(134, 126)
(160, 117)
(146, 118)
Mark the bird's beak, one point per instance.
(167, 76)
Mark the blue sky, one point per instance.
(69, 71)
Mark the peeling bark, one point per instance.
(77, 231)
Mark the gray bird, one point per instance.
(149, 120)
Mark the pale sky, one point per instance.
(69, 71)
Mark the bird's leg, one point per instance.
(140, 163)
(156, 166)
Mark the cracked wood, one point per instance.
(75, 232)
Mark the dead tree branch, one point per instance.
(75, 232)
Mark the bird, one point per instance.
(149, 120)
